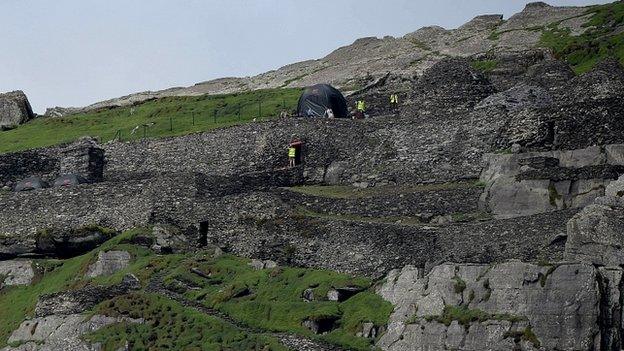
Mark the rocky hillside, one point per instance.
(580, 35)
(486, 212)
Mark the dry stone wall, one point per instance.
(267, 226)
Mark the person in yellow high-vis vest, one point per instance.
(394, 101)
(361, 106)
(292, 155)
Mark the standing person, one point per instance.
(292, 154)
(394, 101)
(329, 113)
(361, 107)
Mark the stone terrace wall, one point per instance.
(179, 199)
(376, 151)
(16, 166)
(422, 204)
(264, 226)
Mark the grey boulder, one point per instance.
(108, 263)
(16, 273)
(14, 109)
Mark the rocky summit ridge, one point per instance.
(354, 66)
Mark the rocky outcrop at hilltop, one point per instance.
(14, 109)
(364, 61)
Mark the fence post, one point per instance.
(171, 124)
(215, 116)
(193, 118)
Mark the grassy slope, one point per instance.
(18, 302)
(162, 113)
(598, 42)
(274, 305)
(275, 301)
(171, 326)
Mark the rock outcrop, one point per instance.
(109, 262)
(450, 84)
(596, 233)
(61, 333)
(80, 300)
(14, 109)
(507, 306)
(528, 183)
(16, 273)
(369, 59)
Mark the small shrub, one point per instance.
(459, 285)
(485, 65)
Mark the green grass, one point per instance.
(304, 212)
(525, 334)
(485, 65)
(18, 302)
(274, 304)
(275, 300)
(595, 44)
(171, 326)
(160, 114)
(349, 192)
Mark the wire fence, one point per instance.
(168, 123)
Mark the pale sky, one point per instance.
(77, 52)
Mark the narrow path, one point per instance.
(292, 341)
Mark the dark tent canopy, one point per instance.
(69, 180)
(31, 183)
(318, 98)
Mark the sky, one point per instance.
(77, 52)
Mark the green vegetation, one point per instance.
(349, 192)
(464, 316)
(419, 44)
(553, 195)
(171, 326)
(485, 65)
(18, 302)
(526, 335)
(471, 217)
(269, 299)
(459, 284)
(170, 116)
(603, 38)
(304, 212)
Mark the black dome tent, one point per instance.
(316, 99)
